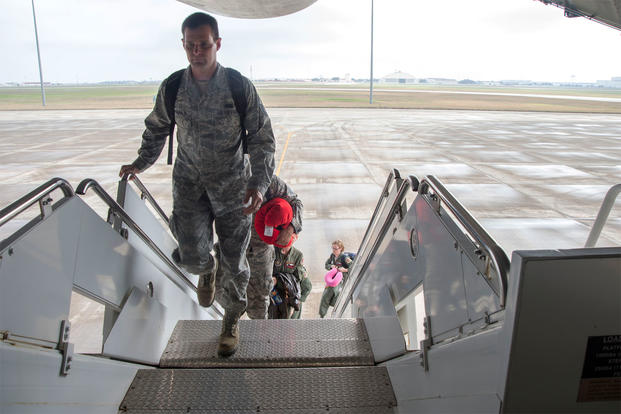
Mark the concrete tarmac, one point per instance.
(533, 180)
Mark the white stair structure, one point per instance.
(541, 333)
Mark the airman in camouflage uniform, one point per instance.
(212, 179)
(261, 255)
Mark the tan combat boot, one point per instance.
(206, 289)
(229, 338)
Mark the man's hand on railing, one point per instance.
(128, 169)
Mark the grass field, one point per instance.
(310, 95)
(93, 97)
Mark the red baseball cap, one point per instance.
(272, 217)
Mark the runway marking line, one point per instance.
(284, 151)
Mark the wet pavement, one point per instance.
(534, 180)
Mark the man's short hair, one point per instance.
(198, 19)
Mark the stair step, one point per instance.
(271, 390)
(271, 344)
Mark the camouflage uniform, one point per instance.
(293, 263)
(261, 255)
(211, 174)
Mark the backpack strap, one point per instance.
(236, 84)
(170, 97)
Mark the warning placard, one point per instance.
(601, 372)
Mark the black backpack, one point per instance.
(237, 90)
(288, 282)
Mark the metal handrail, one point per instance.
(498, 257)
(602, 216)
(89, 183)
(394, 173)
(36, 195)
(396, 204)
(146, 194)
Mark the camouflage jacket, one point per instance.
(279, 189)
(209, 137)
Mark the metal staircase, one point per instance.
(530, 337)
(281, 366)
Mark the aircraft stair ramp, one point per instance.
(538, 334)
(159, 346)
(281, 366)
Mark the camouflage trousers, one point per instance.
(192, 225)
(260, 258)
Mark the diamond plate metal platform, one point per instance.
(271, 343)
(272, 390)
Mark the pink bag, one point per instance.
(333, 277)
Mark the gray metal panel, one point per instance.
(386, 337)
(441, 259)
(557, 301)
(391, 275)
(393, 268)
(480, 298)
(457, 370)
(382, 213)
(428, 246)
(372, 300)
(475, 404)
(154, 228)
(158, 232)
(29, 382)
(36, 275)
(272, 343)
(436, 262)
(141, 331)
(286, 390)
(108, 267)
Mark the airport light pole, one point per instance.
(34, 18)
(371, 84)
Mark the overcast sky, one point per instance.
(99, 40)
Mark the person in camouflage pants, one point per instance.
(212, 178)
(260, 255)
